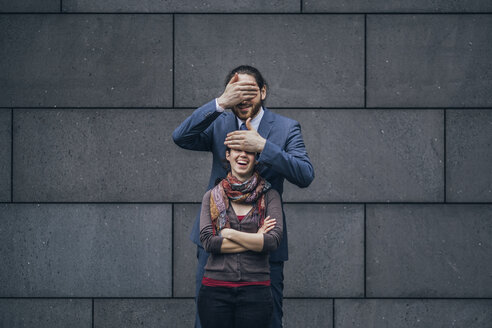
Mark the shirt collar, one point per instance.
(255, 122)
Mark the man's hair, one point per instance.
(250, 70)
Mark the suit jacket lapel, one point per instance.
(231, 123)
(266, 123)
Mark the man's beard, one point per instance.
(252, 114)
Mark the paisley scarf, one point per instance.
(251, 191)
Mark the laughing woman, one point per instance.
(239, 227)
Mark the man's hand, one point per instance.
(248, 140)
(236, 92)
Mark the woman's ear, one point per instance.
(228, 155)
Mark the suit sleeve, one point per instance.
(195, 132)
(293, 162)
(272, 239)
(210, 243)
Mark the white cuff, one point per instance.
(217, 107)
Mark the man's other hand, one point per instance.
(236, 92)
(247, 140)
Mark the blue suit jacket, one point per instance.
(284, 155)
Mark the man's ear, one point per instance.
(263, 92)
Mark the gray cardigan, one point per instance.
(244, 266)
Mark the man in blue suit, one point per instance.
(251, 127)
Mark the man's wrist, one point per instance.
(269, 150)
(262, 145)
(218, 107)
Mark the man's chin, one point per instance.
(244, 116)
(241, 116)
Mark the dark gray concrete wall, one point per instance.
(5, 155)
(104, 155)
(413, 313)
(46, 313)
(97, 202)
(433, 250)
(83, 250)
(429, 61)
(328, 50)
(86, 60)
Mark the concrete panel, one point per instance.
(400, 6)
(308, 61)
(86, 60)
(5, 154)
(144, 313)
(372, 155)
(185, 261)
(326, 251)
(105, 156)
(469, 156)
(307, 313)
(189, 6)
(29, 6)
(429, 61)
(80, 250)
(413, 313)
(429, 250)
(45, 313)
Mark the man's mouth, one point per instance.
(243, 106)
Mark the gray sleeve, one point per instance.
(272, 239)
(210, 243)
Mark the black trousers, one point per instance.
(276, 281)
(237, 307)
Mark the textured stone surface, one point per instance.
(86, 60)
(308, 313)
(185, 260)
(192, 6)
(326, 251)
(372, 155)
(29, 6)
(413, 313)
(5, 154)
(429, 60)
(401, 6)
(79, 250)
(469, 155)
(308, 61)
(144, 313)
(429, 250)
(45, 313)
(104, 156)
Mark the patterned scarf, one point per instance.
(251, 191)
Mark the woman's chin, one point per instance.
(242, 176)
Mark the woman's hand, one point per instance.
(268, 225)
(226, 233)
